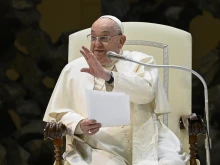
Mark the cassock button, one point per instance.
(127, 141)
(125, 133)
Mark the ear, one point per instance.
(122, 41)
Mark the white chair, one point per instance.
(169, 46)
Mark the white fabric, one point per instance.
(116, 20)
(179, 44)
(169, 148)
(69, 96)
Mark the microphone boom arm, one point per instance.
(112, 55)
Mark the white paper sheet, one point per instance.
(108, 108)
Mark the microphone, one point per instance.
(112, 55)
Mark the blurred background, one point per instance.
(34, 49)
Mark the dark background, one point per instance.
(34, 49)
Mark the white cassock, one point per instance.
(146, 141)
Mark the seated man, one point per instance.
(146, 141)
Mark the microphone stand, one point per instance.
(112, 55)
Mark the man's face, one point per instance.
(105, 27)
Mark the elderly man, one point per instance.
(146, 141)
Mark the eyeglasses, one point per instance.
(92, 38)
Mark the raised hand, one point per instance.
(95, 68)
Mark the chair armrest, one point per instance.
(194, 125)
(55, 131)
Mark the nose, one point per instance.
(97, 42)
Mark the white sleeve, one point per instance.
(71, 121)
(139, 89)
(136, 80)
(60, 107)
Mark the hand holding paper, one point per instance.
(108, 108)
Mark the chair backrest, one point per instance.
(169, 46)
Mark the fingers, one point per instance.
(89, 57)
(85, 55)
(88, 122)
(95, 68)
(86, 52)
(89, 127)
(92, 126)
(87, 70)
(93, 131)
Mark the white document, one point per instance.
(108, 108)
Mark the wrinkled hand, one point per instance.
(95, 68)
(89, 127)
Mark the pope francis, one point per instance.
(146, 141)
